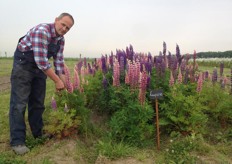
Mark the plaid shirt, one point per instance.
(37, 39)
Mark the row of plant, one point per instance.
(215, 62)
(118, 85)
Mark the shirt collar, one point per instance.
(53, 32)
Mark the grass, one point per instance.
(95, 148)
(226, 71)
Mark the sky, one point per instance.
(102, 26)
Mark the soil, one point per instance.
(4, 83)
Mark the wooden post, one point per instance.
(157, 123)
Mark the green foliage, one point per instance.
(31, 142)
(93, 90)
(132, 123)
(183, 112)
(76, 117)
(219, 103)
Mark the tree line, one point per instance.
(225, 54)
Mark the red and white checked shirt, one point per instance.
(37, 39)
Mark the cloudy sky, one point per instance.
(102, 26)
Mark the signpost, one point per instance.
(157, 94)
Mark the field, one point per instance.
(212, 147)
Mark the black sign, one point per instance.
(156, 94)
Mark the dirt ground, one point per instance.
(4, 83)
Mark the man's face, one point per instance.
(63, 25)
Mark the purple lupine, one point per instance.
(53, 104)
(103, 64)
(85, 62)
(169, 57)
(221, 72)
(90, 70)
(164, 54)
(186, 75)
(178, 55)
(206, 74)
(111, 60)
(231, 81)
(122, 64)
(194, 61)
(183, 66)
(149, 57)
(148, 80)
(214, 75)
(104, 82)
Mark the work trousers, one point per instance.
(28, 87)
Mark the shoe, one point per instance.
(20, 149)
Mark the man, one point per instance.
(29, 73)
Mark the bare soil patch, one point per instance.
(4, 83)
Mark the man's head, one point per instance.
(63, 23)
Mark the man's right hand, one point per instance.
(59, 85)
(58, 82)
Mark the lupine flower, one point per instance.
(104, 82)
(69, 85)
(53, 104)
(199, 83)
(214, 75)
(206, 74)
(103, 64)
(178, 55)
(194, 59)
(180, 77)
(126, 78)
(76, 82)
(171, 81)
(143, 87)
(66, 108)
(116, 73)
(169, 57)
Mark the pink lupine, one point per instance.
(116, 73)
(126, 78)
(180, 78)
(53, 104)
(199, 83)
(142, 87)
(171, 81)
(69, 85)
(76, 80)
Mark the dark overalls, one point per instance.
(28, 87)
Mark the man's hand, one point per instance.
(58, 82)
(59, 85)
